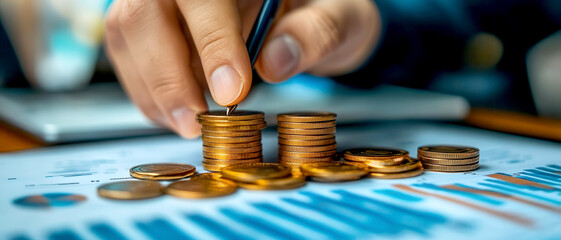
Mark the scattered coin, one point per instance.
(207, 175)
(375, 154)
(407, 174)
(333, 171)
(162, 171)
(251, 172)
(275, 183)
(201, 188)
(130, 190)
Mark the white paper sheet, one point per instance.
(415, 208)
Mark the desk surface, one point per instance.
(51, 193)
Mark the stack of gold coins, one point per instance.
(445, 158)
(231, 139)
(384, 162)
(306, 137)
(262, 176)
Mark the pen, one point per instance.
(258, 32)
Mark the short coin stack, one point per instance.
(306, 137)
(446, 158)
(384, 162)
(231, 139)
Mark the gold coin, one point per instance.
(162, 171)
(230, 133)
(231, 162)
(233, 150)
(319, 131)
(440, 161)
(447, 151)
(235, 128)
(130, 190)
(302, 143)
(411, 173)
(252, 172)
(237, 115)
(407, 165)
(213, 167)
(231, 139)
(229, 123)
(311, 125)
(275, 183)
(361, 154)
(333, 171)
(329, 153)
(445, 168)
(304, 160)
(294, 137)
(232, 156)
(323, 148)
(306, 117)
(207, 175)
(233, 145)
(201, 188)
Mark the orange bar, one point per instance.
(519, 181)
(506, 216)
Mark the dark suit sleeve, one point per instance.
(422, 38)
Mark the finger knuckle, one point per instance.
(211, 43)
(165, 84)
(130, 12)
(325, 27)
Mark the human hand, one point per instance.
(167, 53)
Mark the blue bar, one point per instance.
(398, 195)
(63, 235)
(330, 213)
(105, 231)
(303, 221)
(473, 196)
(384, 223)
(542, 181)
(509, 190)
(538, 176)
(555, 166)
(552, 177)
(394, 210)
(217, 229)
(260, 224)
(20, 237)
(161, 229)
(519, 186)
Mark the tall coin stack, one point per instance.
(306, 137)
(231, 139)
(445, 158)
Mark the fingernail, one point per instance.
(226, 85)
(281, 56)
(186, 122)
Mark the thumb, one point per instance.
(323, 37)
